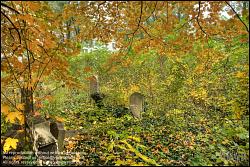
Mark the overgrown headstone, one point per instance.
(94, 85)
(43, 140)
(136, 102)
(48, 138)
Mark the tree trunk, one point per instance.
(27, 99)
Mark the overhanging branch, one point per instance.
(238, 16)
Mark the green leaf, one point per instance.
(111, 146)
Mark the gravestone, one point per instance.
(136, 104)
(94, 85)
(44, 143)
(57, 130)
(43, 139)
(48, 137)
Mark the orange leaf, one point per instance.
(34, 6)
(20, 106)
(59, 119)
(87, 69)
(36, 113)
(5, 109)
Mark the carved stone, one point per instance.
(94, 85)
(57, 130)
(136, 102)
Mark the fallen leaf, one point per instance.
(10, 143)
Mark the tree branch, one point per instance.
(197, 19)
(11, 69)
(2, 4)
(238, 16)
(145, 31)
(138, 25)
(12, 25)
(184, 24)
(152, 11)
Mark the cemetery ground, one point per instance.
(112, 135)
(132, 116)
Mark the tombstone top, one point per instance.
(55, 128)
(136, 94)
(94, 84)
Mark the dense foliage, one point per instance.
(192, 69)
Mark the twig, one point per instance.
(35, 85)
(152, 11)
(145, 31)
(184, 24)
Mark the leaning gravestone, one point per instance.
(136, 102)
(48, 138)
(44, 143)
(94, 85)
(57, 130)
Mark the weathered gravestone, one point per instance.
(57, 130)
(94, 85)
(94, 91)
(48, 137)
(136, 103)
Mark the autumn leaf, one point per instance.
(165, 150)
(137, 139)
(134, 88)
(110, 147)
(34, 6)
(9, 144)
(36, 113)
(77, 158)
(5, 109)
(240, 74)
(20, 106)
(143, 157)
(87, 69)
(38, 104)
(59, 119)
(12, 116)
(70, 145)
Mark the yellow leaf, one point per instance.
(5, 109)
(59, 119)
(111, 146)
(134, 138)
(12, 116)
(137, 153)
(225, 141)
(20, 131)
(240, 74)
(134, 88)
(119, 162)
(77, 158)
(189, 81)
(20, 106)
(10, 143)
